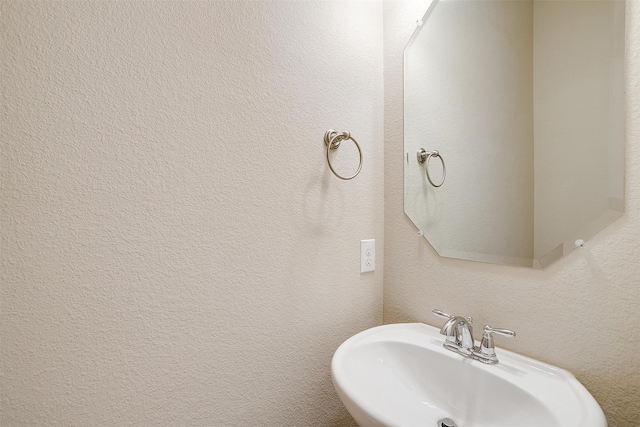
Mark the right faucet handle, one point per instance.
(488, 330)
(487, 353)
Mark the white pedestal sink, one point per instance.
(400, 375)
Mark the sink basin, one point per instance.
(400, 375)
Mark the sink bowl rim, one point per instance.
(423, 335)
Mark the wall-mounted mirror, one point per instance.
(524, 101)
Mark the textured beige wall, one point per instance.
(579, 314)
(175, 250)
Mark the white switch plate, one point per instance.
(367, 255)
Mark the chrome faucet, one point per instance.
(459, 338)
(458, 332)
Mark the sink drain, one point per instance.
(446, 422)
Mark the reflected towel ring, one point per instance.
(425, 156)
(332, 140)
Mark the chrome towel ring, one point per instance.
(425, 156)
(332, 140)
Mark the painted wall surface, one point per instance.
(175, 250)
(580, 313)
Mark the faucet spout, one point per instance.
(458, 331)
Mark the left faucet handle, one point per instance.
(441, 313)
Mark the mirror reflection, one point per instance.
(524, 102)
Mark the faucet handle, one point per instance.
(441, 313)
(487, 351)
(488, 330)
